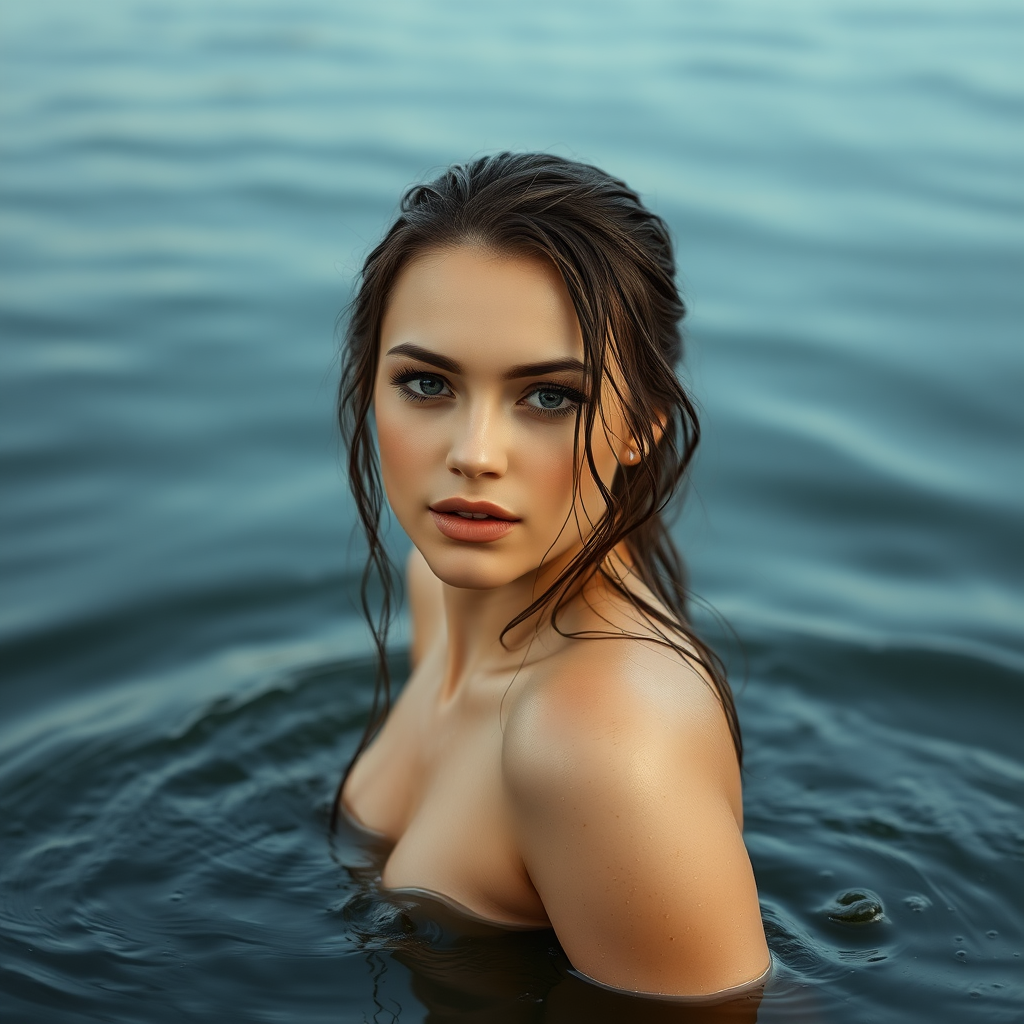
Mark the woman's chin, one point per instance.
(464, 577)
(472, 568)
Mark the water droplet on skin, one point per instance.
(856, 906)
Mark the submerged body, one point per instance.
(582, 778)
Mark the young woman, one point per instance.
(565, 753)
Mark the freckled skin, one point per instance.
(589, 785)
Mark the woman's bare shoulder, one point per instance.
(623, 791)
(604, 697)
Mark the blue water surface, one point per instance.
(187, 191)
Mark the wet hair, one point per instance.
(616, 259)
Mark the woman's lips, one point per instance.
(474, 521)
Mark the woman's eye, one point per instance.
(427, 387)
(549, 400)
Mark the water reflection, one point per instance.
(515, 978)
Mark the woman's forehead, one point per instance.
(483, 309)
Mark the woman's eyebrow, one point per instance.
(424, 355)
(540, 369)
(513, 373)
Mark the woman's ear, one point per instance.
(658, 429)
(631, 452)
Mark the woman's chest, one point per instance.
(432, 784)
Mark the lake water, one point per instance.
(186, 191)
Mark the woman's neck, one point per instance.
(476, 619)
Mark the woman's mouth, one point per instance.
(474, 521)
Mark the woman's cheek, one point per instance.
(549, 471)
(590, 503)
(404, 460)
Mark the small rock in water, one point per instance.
(856, 906)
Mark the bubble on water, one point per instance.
(917, 902)
(961, 955)
(992, 933)
(856, 906)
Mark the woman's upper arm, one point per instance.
(628, 835)
(425, 609)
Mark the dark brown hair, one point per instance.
(616, 260)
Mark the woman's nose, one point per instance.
(479, 445)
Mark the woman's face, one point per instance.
(479, 378)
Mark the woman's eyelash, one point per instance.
(576, 399)
(400, 378)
